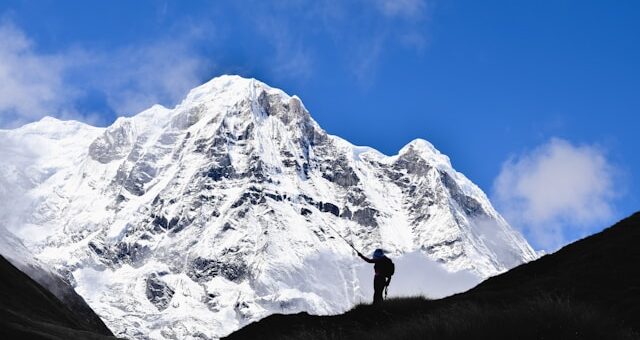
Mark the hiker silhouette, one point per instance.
(384, 269)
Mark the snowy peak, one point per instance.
(230, 91)
(420, 146)
(425, 150)
(233, 101)
(229, 88)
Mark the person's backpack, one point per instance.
(388, 268)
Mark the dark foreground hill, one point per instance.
(587, 290)
(30, 311)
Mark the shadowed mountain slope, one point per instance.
(29, 311)
(587, 290)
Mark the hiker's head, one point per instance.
(378, 253)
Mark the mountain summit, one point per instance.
(196, 220)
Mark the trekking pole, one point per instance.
(344, 239)
(347, 242)
(337, 233)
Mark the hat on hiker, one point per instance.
(378, 253)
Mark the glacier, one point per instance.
(190, 222)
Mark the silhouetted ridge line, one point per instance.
(589, 289)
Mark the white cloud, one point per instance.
(31, 83)
(557, 192)
(134, 78)
(131, 78)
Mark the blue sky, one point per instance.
(536, 102)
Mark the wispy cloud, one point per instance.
(32, 84)
(360, 30)
(134, 75)
(134, 78)
(557, 191)
(131, 78)
(365, 58)
(395, 24)
(402, 8)
(291, 57)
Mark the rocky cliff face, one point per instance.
(193, 221)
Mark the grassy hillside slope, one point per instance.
(587, 290)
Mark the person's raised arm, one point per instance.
(365, 258)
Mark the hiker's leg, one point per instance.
(377, 296)
(378, 288)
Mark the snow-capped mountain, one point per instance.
(191, 222)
